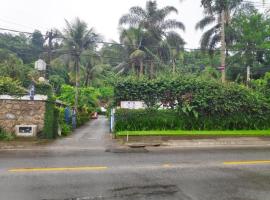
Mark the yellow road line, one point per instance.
(167, 165)
(57, 169)
(251, 162)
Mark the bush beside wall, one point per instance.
(51, 119)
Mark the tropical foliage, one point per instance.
(151, 33)
(191, 103)
(10, 86)
(151, 63)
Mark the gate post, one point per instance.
(112, 120)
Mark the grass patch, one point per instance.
(181, 133)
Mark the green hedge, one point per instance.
(193, 104)
(43, 88)
(51, 119)
(137, 120)
(134, 120)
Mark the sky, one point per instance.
(103, 15)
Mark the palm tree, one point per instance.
(218, 13)
(91, 62)
(78, 38)
(137, 58)
(213, 11)
(133, 40)
(154, 22)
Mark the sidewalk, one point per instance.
(229, 142)
(106, 143)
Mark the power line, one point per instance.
(16, 31)
(131, 45)
(14, 23)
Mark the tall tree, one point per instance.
(37, 41)
(134, 40)
(91, 65)
(18, 44)
(218, 13)
(78, 38)
(251, 47)
(156, 23)
(52, 37)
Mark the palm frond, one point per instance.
(172, 24)
(168, 10)
(136, 10)
(175, 40)
(206, 37)
(130, 19)
(213, 43)
(205, 22)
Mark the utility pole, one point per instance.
(223, 48)
(50, 37)
(77, 69)
(248, 76)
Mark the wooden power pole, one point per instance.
(223, 48)
(49, 37)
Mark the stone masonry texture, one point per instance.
(21, 112)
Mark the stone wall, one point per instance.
(21, 112)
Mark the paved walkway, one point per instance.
(93, 135)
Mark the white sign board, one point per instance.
(132, 104)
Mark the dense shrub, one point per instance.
(51, 118)
(43, 88)
(149, 119)
(192, 103)
(106, 95)
(88, 97)
(262, 85)
(88, 101)
(10, 86)
(66, 128)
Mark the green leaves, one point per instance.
(200, 103)
(88, 97)
(10, 86)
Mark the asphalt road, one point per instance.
(80, 168)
